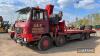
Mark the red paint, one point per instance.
(30, 37)
(49, 9)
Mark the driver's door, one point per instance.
(40, 24)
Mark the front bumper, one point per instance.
(25, 39)
(21, 41)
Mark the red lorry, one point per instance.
(44, 29)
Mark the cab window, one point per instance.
(39, 15)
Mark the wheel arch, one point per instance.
(46, 34)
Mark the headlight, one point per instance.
(25, 39)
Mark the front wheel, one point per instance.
(44, 43)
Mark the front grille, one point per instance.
(18, 30)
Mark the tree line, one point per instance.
(92, 19)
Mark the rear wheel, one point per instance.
(82, 37)
(44, 43)
(60, 41)
(87, 36)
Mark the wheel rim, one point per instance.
(45, 43)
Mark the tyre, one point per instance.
(60, 41)
(82, 37)
(44, 43)
(87, 36)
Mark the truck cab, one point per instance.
(31, 23)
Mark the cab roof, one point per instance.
(27, 9)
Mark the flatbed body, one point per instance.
(78, 31)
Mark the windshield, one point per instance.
(23, 14)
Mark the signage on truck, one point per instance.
(37, 28)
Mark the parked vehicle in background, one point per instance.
(4, 25)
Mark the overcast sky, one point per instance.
(70, 8)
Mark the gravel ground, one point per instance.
(9, 48)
